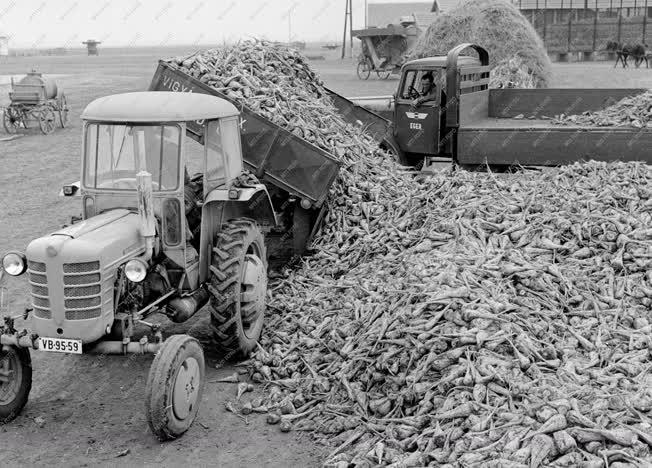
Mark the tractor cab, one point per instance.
(130, 134)
(426, 105)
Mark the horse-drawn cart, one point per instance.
(35, 99)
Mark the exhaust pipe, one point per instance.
(146, 211)
(181, 309)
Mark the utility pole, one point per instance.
(290, 25)
(366, 16)
(348, 16)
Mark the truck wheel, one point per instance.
(15, 381)
(238, 286)
(174, 387)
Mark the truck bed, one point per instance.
(540, 142)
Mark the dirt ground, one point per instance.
(93, 408)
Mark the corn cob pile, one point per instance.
(462, 318)
(634, 111)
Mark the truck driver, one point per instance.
(428, 90)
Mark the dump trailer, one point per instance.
(297, 173)
(475, 126)
(293, 169)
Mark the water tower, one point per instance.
(4, 45)
(91, 45)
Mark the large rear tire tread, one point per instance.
(9, 410)
(160, 386)
(234, 241)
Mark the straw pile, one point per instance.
(499, 27)
(459, 319)
(632, 111)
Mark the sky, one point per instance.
(67, 23)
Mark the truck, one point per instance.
(474, 126)
(155, 237)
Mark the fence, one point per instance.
(568, 26)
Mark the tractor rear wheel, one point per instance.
(238, 286)
(174, 387)
(15, 381)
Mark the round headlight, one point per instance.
(14, 263)
(136, 270)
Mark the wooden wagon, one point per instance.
(35, 100)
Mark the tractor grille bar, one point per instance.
(82, 291)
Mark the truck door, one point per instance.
(417, 129)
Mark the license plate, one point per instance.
(60, 345)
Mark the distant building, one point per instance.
(382, 14)
(424, 13)
(558, 11)
(92, 46)
(4, 45)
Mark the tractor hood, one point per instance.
(108, 238)
(92, 224)
(72, 274)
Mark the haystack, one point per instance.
(499, 27)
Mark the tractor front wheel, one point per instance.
(15, 381)
(174, 387)
(238, 286)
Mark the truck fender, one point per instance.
(390, 144)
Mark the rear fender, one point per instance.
(252, 202)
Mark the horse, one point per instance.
(623, 52)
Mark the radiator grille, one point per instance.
(82, 291)
(81, 296)
(36, 266)
(38, 279)
(82, 303)
(40, 302)
(41, 313)
(81, 279)
(83, 314)
(81, 267)
(39, 290)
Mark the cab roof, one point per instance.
(440, 62)
(158, 106)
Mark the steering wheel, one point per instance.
(413, 93)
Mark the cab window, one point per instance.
(411, 87)
(114, 154)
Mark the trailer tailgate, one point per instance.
(274, 154)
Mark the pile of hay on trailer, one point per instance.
(499, 27)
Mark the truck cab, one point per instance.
(428, 130)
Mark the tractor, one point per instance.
(151, 239)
